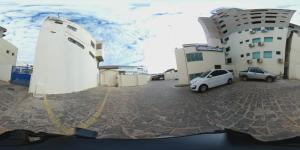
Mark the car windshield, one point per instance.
(204, 74)
(125, 68)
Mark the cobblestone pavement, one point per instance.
(268, 111)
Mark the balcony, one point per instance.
(98, 55)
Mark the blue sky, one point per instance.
(134, 32)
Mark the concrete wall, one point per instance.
(210, 59)
(7, 60)
(294, 71)
(171, 75)
(132, 80)
(109, 77)
(61, 66)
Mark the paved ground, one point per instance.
(268, 111)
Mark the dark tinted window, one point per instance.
(218, 72)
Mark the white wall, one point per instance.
(210, 59)
(171, 75)
(132, 80)
(61, 66)
(294, 70)
(109, 77)
(7, 60)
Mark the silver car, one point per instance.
(257, 73)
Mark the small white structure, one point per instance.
(193, 59)
(171, 74)
(66, 58)
(8, 56)
(123, 76)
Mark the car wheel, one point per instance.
(244, 78)
(229, 81)
(203, 88)
(269, 79)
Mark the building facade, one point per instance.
(66, 58)
(8, 57)
(252, 37)
(171, 74)
(193, 59)
(262, 38)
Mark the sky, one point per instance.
(134, 32)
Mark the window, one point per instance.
(238, 25)
(218, 73)
(255, 13)
(226, 39)
(221, 21)
(247, 30)
(255, 40)
(92, 44)
(254, 17)
(75, 42)
(241, 42)
(248, 54)
(7, 51)
(71, 27)
(224, 31)
(272, 13)
(227, 49)
(195, 75)
(256, 22)
(283, 17)
(92, 55)
(194, 57)
(256, 70)
(217, 66)
(228, 60)
(242, 55)
(278, 52)
(269, 28)
(268, 39)
(58, 22)
(240, 32)
(270, 21)
(267, 54)
(280, 27)
(279, 38)
(256, 29)
(255, 55)
(247, 41)
(270, 16)
(246, 23)
(12, 54)
(282, 21)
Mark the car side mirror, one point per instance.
(209, 76)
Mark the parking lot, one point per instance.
(268, 111)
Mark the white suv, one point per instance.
(210, 79)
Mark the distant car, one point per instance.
(211, 79)
(158, 77)
(257, 73)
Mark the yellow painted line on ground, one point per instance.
(90, 121)
(99, 109)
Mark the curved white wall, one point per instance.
(61, 66)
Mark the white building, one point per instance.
(66, 58)
(255, 37)
(8, 57)
(194, 59)
(115, 75)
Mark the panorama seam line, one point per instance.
(87, 123)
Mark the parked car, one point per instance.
(210, 79)
(257, 73)
(158, 77)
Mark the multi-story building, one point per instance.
(66, 58)
(255, 37)
(8, 56)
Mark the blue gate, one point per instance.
(21, 75)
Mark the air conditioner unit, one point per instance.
(264, 31)
(259, 60)
(249, 61)
(280, 60)
(252, 32)
(251, 45)
(226, 53)
(260, 44)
